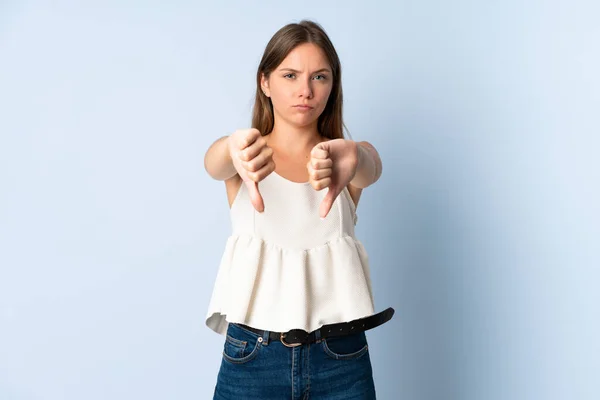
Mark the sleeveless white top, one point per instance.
(286, 268)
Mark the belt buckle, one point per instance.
(287, 344)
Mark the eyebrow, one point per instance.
(296, 71)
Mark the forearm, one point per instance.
(217, 160)
(369, 166)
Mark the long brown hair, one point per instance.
(330, 124)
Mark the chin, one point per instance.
(303, 119)
(303, 124)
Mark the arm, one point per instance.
(217, 160)
(369, 167)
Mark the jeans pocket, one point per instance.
(241, 345)
(346, 347)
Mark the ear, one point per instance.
(264, 85)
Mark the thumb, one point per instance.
(255, 197)
(327, 202)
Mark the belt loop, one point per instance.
(318, 335)
(265, 337)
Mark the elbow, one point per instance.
(217, 162)
(376, 165)
(207, 164)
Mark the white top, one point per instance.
(286, 268)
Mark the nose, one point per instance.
(306, 89)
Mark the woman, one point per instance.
(293, 292)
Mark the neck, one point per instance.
(294, 139)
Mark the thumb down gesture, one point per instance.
(253, 161)
(332, 165)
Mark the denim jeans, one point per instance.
(330, 369)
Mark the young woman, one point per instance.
(293, 293)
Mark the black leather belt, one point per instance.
(296, 337)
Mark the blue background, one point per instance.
(483, 232)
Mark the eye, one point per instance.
(291, 75)
(323, 77)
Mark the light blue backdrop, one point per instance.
(482, 233)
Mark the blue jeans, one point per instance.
(330, 369)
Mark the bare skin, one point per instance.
(294, 148)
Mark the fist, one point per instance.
(253, 161)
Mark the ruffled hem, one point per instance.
(258, 284)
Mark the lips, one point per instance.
(303, 107)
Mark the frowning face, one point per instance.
(300, 86)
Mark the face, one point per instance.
(300, 86)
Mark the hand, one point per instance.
(253, 161)
(332, 165)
